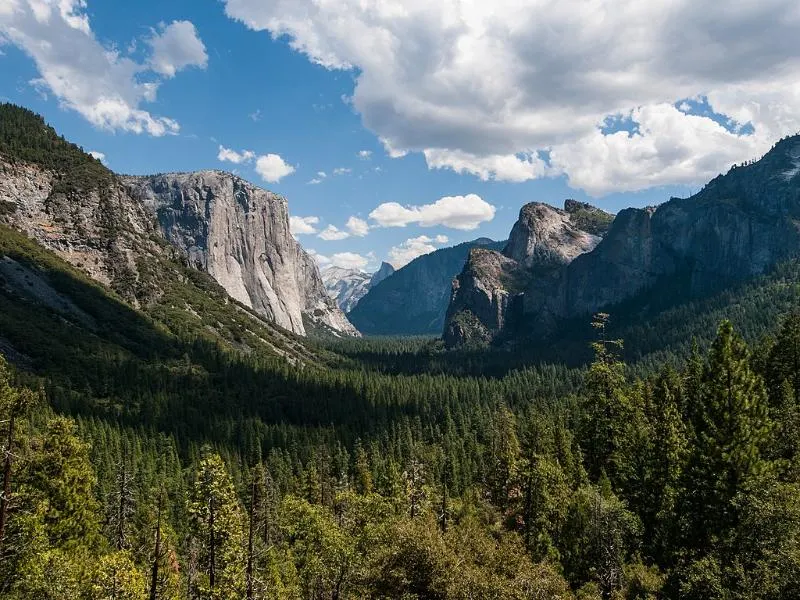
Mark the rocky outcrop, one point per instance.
(487, 296)
(414, 300)
(484, 298)
(239, 234)
(348, 286)
(100, 230)
(739, 226)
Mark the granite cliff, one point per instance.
(239, 234)
(488, 295)
(738, 226)
(119, 229)
(414, 299)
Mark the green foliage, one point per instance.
(25, 137)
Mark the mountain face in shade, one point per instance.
(739, 226)
(414, 299)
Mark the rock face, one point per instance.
(101, 231)
(348, 286)
(488, 295)
(739, 226)
(239, 234)
(414, 300)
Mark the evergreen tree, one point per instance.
(218, 525)
(731, 428)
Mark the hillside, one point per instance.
(413, 300)
(117, 229)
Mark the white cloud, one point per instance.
(349, 260)
(357, 227)
(321, 175)
(457, 212)
(175, 47)
(482, 87)
(620, 161)
(272, 168)
(403, 254)
(342, 171)
(502, 167)
(303, 225)
(333, 233)
(322, 260)
(86, 76)
(365, 154)
(256, 116)
(98, 155)
(237, 158)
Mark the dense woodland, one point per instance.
(682, 484)
(167, 452)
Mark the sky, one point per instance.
(395, 127)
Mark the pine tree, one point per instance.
(607, 409)
(218, 524)
(732, 429)
(14, 404)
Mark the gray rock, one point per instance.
(489, 295)
(239, 233)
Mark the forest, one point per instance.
(597, 483)
(177, 446)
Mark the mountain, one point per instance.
(739, 226)
(348, 286)
(239, 234)
(414, 299)
(115, 229)
(385, 270)
(487, 296)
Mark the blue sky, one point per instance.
(317, 100)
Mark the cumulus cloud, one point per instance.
(272, 168)
(228, 155)
(303, 225)
(364, 154)
(457, 212)
(332, 233)
(342, 171)
(403, 254)
(95, 80)
(98, 155)
(175, 47)
(492, 88)
(502, 167)
(357, 227)
(349, 260)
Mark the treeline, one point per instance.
(683, 484)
